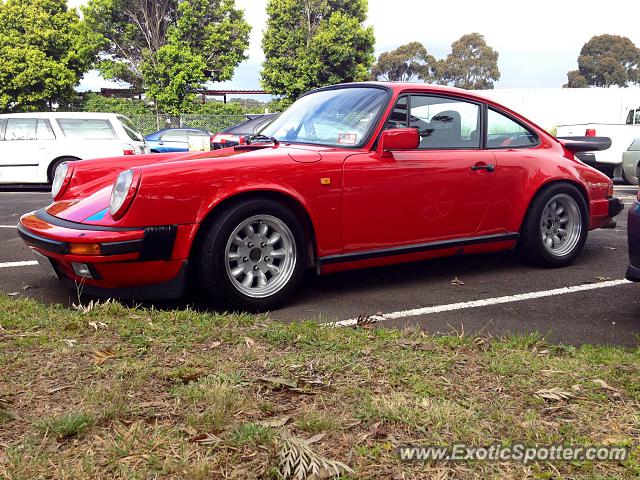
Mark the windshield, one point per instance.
(130, 129)
(339, 117)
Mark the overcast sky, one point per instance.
(538, 41)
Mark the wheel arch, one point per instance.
(574, 183)
(70, 158)
(287, 200)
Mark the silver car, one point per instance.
(631, 163)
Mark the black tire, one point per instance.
(52, 168)
(210, 255)
(531, 247)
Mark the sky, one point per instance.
(538, 41)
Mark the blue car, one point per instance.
(176, 139)
(633, 273)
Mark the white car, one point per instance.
(631, 163)
(608, 161)
(32, 145)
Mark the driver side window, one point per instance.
(443, 123)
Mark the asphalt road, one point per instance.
(422, 293)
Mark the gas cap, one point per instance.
(304, 156)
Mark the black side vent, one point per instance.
(158, 242)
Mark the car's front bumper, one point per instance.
(143, 263)
(633, 272)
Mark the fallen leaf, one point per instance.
(249, 342)
(603, 279)
(205, 439)
(554, 394)
(59, 389)
(13, 294)
(604, 385)
(316, 438)
(70, 342)
(95, 325)
(275, 422)
(26, 287)
(576, 387)
(215, 344)
(101, 356)
(279, 382)
(456, 281)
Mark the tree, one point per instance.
(606, 60)
(312, 43)
(404, 64)
(169, 47)
(45, 50)
(472, 64)
(575, 80)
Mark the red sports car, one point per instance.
(350, 176)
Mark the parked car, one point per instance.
(631, 163)
(633, 272)
(175, 139)
(232, 136)
(32, 145)
(609, 161)
(350, 176)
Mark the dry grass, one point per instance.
(131, 393)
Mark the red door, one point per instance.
(415, 197)
(436, 192)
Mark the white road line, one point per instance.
(484, 303)
(8, 226)
(18, 264)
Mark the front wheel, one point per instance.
(555, 228)
(252, 256)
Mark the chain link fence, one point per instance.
(150, 123)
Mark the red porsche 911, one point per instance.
(350, 176)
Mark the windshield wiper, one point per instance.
(251, 138)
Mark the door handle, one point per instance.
(490, 167)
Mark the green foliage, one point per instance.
(606, 60)
(95, 102)
(312, 43)
(65, 426)
(472, 64)
(404, 64)
(169, 47)
(45, 50)
(171, 77)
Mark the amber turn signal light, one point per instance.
(610, 190)
(84, 248)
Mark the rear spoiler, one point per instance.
(585, 144)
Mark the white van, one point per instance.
(32, 145)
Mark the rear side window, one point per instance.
(28, 129)
(502, 132)
(85, 128)
(635, 145)
(175, 136)
(130, 129)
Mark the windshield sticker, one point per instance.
(348, 138)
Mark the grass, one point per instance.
(65, 426)
(144, 393)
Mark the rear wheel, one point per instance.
(555, 228)
(252, 257)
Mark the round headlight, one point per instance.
(120, 192)
(58, 178)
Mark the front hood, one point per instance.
(87, 197)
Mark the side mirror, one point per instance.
(398, 139)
